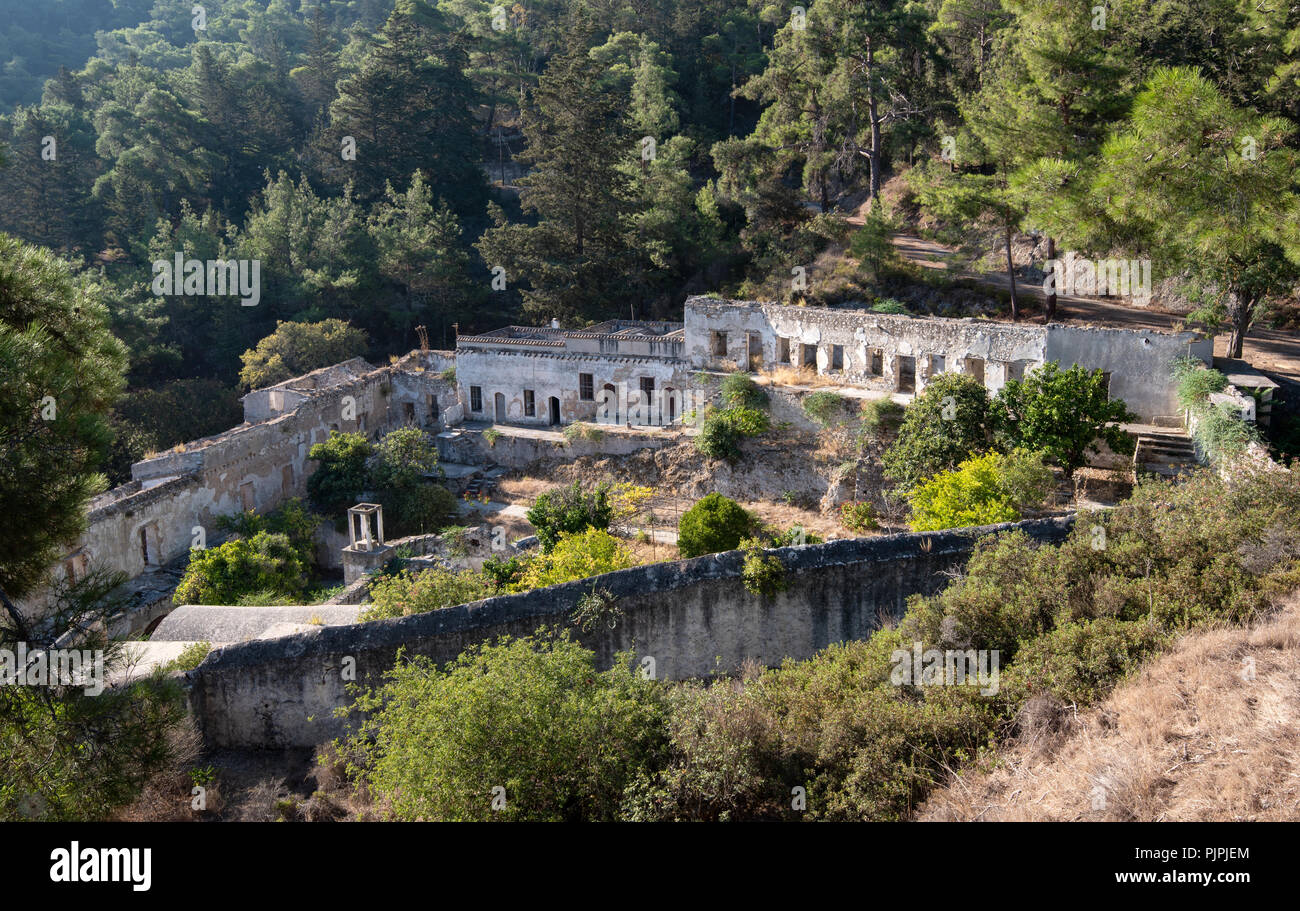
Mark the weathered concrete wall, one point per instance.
(694, 618)
(519, 450)
(1138, 363)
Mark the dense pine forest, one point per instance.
(461, 164)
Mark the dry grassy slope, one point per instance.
(1189, 738)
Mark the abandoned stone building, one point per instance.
(617, 372)
(552, 376)
(899, 354)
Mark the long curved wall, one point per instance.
(693, 618)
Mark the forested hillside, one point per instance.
(464, 163)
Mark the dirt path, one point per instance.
(1266, 349)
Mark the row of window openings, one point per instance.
(586, 393)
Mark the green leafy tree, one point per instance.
(399, 470)
(983, 490)
(532, 716)
(297, 348)
(1208, 187)
(341, 475)
(420, 248)
(569, 510)
(408, 108)
(1063, 414)
(573, 259)
(714, 524)
(945, 424)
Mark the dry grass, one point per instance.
(797, 376)
(783, 516)
(522, 490)
(1192, 737)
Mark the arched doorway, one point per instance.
(555, 410)
(500, 401)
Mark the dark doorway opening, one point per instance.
(906, 374)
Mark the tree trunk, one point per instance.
(1049, 312)
(1011, 274)
(874, 116)
(1241, 310)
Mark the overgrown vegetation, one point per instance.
(524, 729)
(1218, 431)
(569, 510)
(714, 524)
(1068, 621)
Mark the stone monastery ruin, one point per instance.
(634, 377)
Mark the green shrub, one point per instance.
(291, 519)
(409, 593)
(713, 525)
(890, 306)
(722, 430)
(223, 574)
(970, 495)
(794, 536)
(740, 391)
(190, 657)
(1079, 663)
(577, 555)
(341, 475)
(569, 510)
(1194, 382)
(421, 508)
(858, 516)
(504, 573)
(824, 407)
(881, 415)
(597, 608)
(532, 717)
(1061, 413)
(296, 348)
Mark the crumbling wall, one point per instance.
(789, 336)
(691, 619)
(174, 499)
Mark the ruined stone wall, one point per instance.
(154, 519)
(693, 618)
(507, 373)
(875, 349)
(513, 450)
(1138, 361)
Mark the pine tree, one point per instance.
(408, 109)
(576, 135)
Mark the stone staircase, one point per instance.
(1168, 454)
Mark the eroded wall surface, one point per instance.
(175, 499)
(692, 618)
